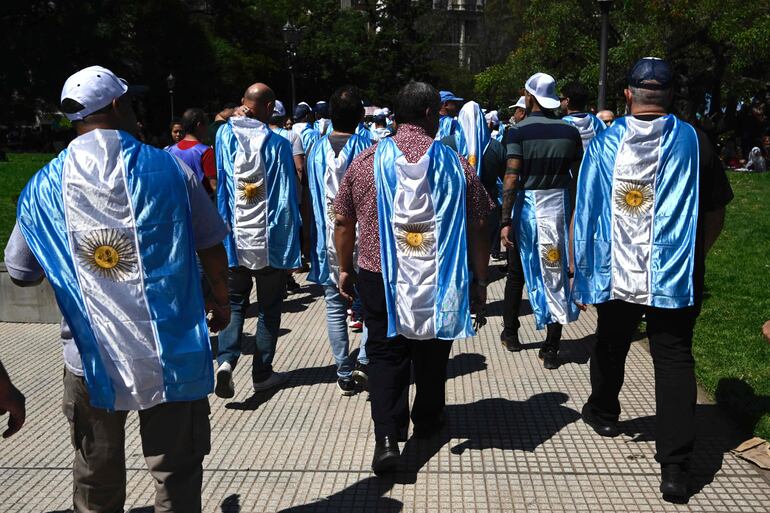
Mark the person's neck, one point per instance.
(575, 111)
(191, 138)
(535, 108)
(648, 110)
(340, 132)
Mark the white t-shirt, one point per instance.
(292, 137)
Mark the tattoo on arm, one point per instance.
(509, 196)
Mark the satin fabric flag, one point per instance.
(636, 214)
(257, 196)
(325, 172)
(364, 132)
(587, 124)
(476, 133)
(500, 135)
(541, 224)
(449, 126)
(323, 126)
(423, 247)
(109, 221)
(309, 136)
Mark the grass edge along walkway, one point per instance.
(732, 358)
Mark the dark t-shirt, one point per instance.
(548, 149)
(714, 192)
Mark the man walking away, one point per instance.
(115, 225)
(574, 100)
(543, 156)
(257, 196)
(328, 160)
(191, 151)
(650, 203)
(416, 292)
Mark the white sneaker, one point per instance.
(275, 379)
(225, 388)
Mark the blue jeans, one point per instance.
(271, 284)
(337, 326)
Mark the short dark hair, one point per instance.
(414, 99)
(578, 95)
(174, 121)
(345, 108)
(192, 118)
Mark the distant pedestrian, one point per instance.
(176, 131)
(191, 150)
(574, 104)
(606, 116)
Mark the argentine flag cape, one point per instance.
(636, 214)
(363, 131)
(448, 125)
(257, 195)
(587, 124)
(109, 221)
(423, 248)
(308, 135)
(476, 133)
(325, 172)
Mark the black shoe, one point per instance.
(425, 430)
(386, 455)
(361, 374)
(602, 427)
(673, 484)
(510, 340)
(347, 386)
(291, 285)
(550, 358)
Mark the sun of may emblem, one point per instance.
(551, 256)
(108, 253)
(472, 160)
(251, 190)
(633, 198)
(330, 213)
(415, 239)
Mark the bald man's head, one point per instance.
(259, 99)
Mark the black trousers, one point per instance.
(670, 334)
(514, 289)
(390, 364)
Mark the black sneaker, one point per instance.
(347, 386)
(510, 340)
(361, 374)
(550, 358)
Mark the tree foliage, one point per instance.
(715, 46)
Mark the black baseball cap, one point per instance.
(651, 73)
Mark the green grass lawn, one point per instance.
(733, 360)
(13, 177)
(732, 357)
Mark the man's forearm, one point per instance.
(478, 244)
(712, 227)
(344, 241)
(214, 262)
(509, 198)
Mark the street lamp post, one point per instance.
(605, 6)
(170, 82)
(291, 38)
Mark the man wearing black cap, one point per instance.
(650, 203)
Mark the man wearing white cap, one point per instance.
(115, 225)
(519, 110)
(542, 151)
(322, 124)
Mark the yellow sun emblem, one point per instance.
(633, 198)
(551, 256)
(415, 239)
(472, 160)
(108, 253)
(251, 190)
(330, 213)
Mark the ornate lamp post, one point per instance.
(604, 6)
(291, 38)
(170, 82)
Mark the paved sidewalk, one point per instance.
(514, 442)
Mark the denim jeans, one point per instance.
(271, 284)
(337, 326)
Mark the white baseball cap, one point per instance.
(521, 104)
(543, 87)
(279, 110)
(89, 90)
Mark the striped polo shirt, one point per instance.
(547, 147)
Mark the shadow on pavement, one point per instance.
(231, 504)
(495, 308)
(297, 378)
(488, 423)
(577, 350)
(716, 435)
